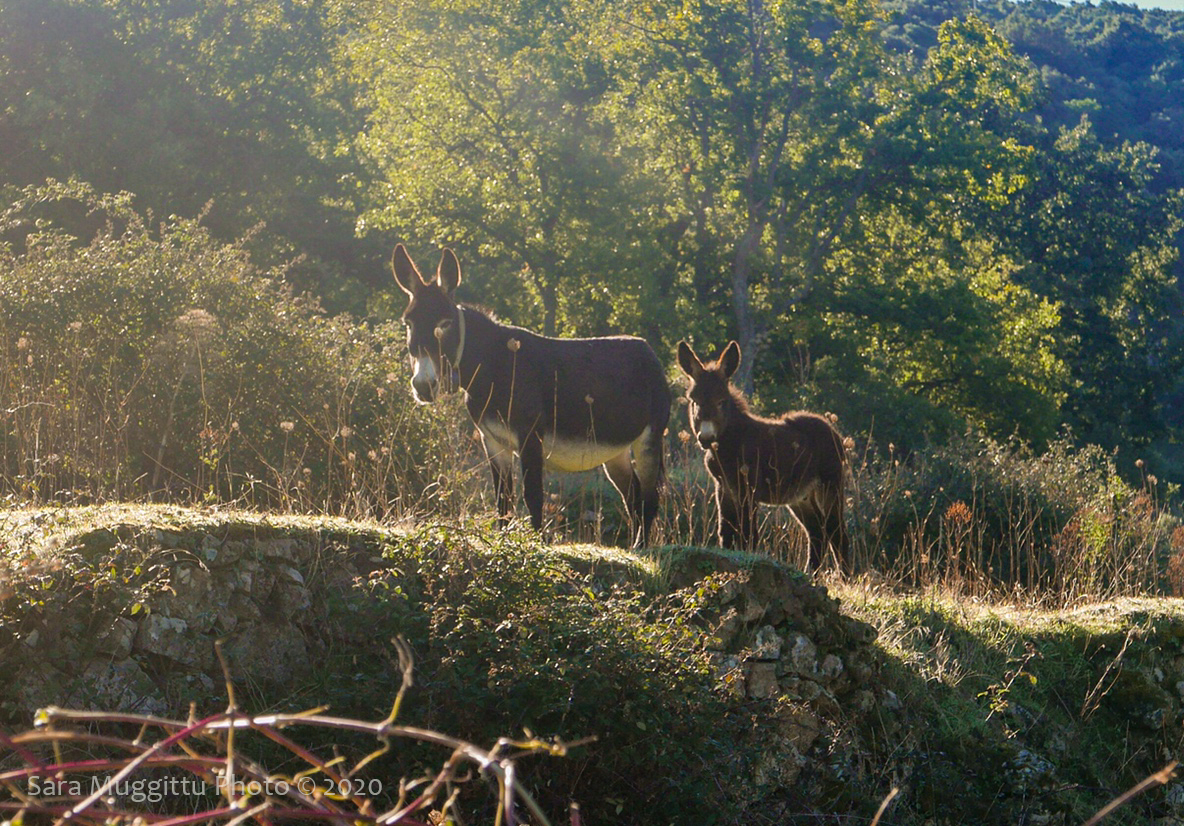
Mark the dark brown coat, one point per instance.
(797, 459)
(565, 404)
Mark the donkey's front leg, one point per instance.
(737, 520)
(531, 454)
(502, 468)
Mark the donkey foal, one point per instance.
(796, 460)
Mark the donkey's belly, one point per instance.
(568, 455)
(572, 456)
(767, 488)
(792, 494)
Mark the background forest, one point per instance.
(954, 225)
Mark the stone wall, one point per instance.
(264, 593)
(774, 635)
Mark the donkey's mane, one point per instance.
(739, 399)
(742, 405)
(480, 309)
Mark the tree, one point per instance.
(753, 110)
(487, 134)
(1099, 240)
(187, 103)
(781, 124)
(920, 338)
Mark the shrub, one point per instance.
(159, 362)
(990, 517)
(508, 637)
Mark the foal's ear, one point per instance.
(729, 360)
(406, 274)
(448, 273)
(688, 361)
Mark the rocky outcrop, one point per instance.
(774, 635)
(262, 592)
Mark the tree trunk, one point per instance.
(742, 306)
(549, 294)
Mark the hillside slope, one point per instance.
(720, 688)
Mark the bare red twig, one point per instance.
(77, 793)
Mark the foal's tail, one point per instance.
(836, 520)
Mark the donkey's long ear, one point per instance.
(688, 361)
(729, 360)
(406, 274)
(448, 273)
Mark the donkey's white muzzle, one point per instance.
(424, 381)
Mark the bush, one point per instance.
(159, 362)
(508, 637)
(991, 517)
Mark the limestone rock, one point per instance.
(761, 681)
(171, 638)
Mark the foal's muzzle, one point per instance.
(708, 434)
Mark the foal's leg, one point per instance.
(814, 523)
(737, 520)
(836, 528)
(822, 517)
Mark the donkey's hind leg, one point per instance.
(835, 527)
(619, 470)
(815, 524)
(822, 517)
(650, 470)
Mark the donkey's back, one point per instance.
(796, 454)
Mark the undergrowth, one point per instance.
(508, 637)
(994, 712)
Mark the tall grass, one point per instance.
(156, 363)
(986, 519)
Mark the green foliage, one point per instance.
(762, 121)
(509, 638)
(816, 179)
(998, 708)
(1119, 62)
(1108, 259)
(182, 103)
(957, 338)
(488, 136)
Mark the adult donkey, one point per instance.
(796, 460)
(566, 404)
